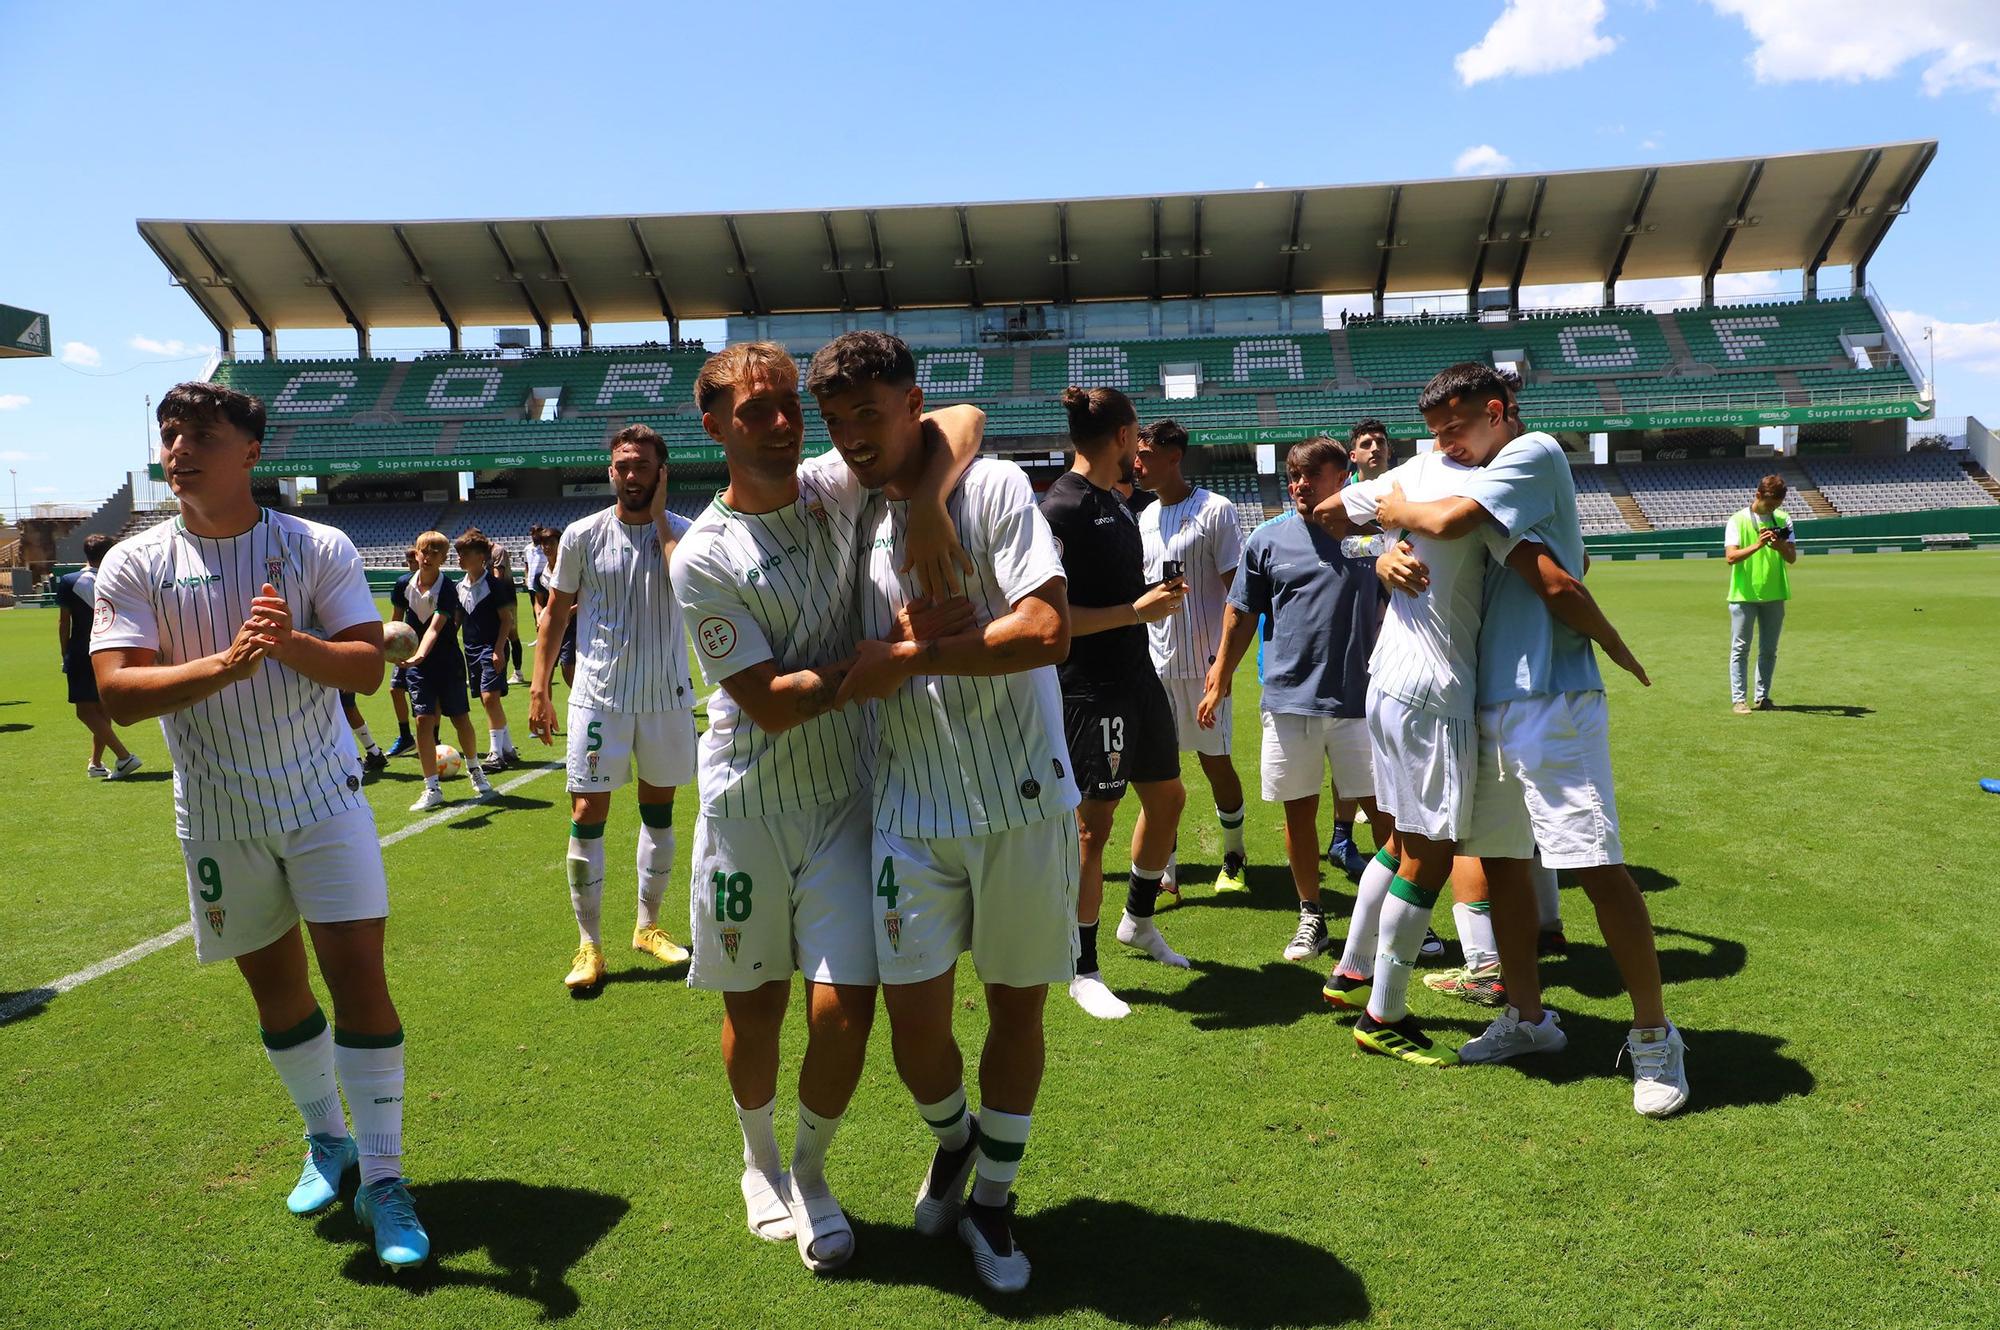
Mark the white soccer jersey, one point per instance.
(968, 756)
(271, 753)
(1428, 652)
(775, 586)
(629, 652)
(1200, 533)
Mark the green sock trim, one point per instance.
(1230, 823)
(349, 1039)
(1480, 907)
(1404, 889)
(1002, 1152)
(586, 831)
(1387, 860)
(309, 1028)
(942, 1123)
(657, 816)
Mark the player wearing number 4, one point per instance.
(632, 705)
(765, 579)
(974, 844)
(239, 627)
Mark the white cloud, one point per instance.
(173, 348)
(1974, 345)
(1536, 37)
(1482, 159)
(16, 455)
(12, 401)
(81, 353)
(1856, 41)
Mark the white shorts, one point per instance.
(1423, 767)
(1183, 697)
(1544, 779)
(246, 894)
(1298, 750)
(1009, 898)
(770, 895)
(603, 746)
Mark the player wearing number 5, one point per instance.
(239, 628)
(765, 579)
(632, 704)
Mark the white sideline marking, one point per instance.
(35, 997)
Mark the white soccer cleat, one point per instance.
(431, 798)
(129, 764)
(1145, 935)
(482, 788)
(987, 1231)
(1089, 992)
(1510, 1036)
(1659, 1071)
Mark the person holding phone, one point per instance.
(1761, 549)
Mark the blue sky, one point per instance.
(291, 111)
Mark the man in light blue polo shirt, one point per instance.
(1544, 777)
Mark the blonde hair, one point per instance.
(431, 540)
(724, 371)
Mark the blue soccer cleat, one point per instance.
(386, 1208)
(1991, 785)
(404, 744)
(1347, 857)
(327, 1159)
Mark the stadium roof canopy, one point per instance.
(1799, 210)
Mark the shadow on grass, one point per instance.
(1168, 1269)
(500, 804)
(1236, 997)
(1649, 879)
(15, 727)
(1589, 969)
(533, 1234)
(1270, 889)
(24, 1004)
(1845, 712)
(649, 972)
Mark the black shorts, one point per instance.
(480, 675)
(82, 681)
(1120, 735)
(437, 687)
(567, 651)
(399, 677)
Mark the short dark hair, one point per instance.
(1771, 487)
(96, 547)
(857, 359)
(1367, 425)
(198, 403)
(1307, 456)
(1469, 378)
(1095, 414)
(538, 534)
(643, 435)
(472, 538)
(1167, 433)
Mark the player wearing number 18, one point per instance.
(239, 627)
(765, 579)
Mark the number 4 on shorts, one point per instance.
(885, 885)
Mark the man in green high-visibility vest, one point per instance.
(1760, 549)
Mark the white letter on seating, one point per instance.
(1279, 355)
(1625, 355)
(293, 401)
(649, 381)
(485, 377)
(1099, 367)
(1736, 337)
(965, 384)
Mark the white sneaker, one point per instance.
(1510, 1036)
(1089, 992)
(482, 788)
(97, 771)
(1310, 939)
(1145, 935)
(432, 797)
(1659, 1070)
(126, 767)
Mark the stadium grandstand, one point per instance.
(1208, 308)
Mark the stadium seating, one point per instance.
(1702, 493)
(381, 531)
(1802, 333)
(302, 443)
(1596, 511)
(144, 519)
(1908, 482)
(592, 382)
(309, 389)
(1239, 486)
(1582, 343)
(1226, 362)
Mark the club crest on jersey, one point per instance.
(817, 511)
(892, 925)
(215, 913)
(590, 760)
(717, 637)
(274, 570)
(1113, 761)
(732, 938)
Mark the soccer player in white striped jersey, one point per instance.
(632, 703)
(974, 838)
(1191, 533)
(765, 579)
(239, 628)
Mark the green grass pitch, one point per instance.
(1819, 878)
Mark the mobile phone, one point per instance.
(1172, 570)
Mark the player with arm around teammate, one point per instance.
(238, 627)
(487, 599)
(436, 671)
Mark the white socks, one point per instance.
(809, 1147)
(371, 1072)
(364, 738)
(1357, 958)
(1232, 829)
(1003, 1138)
(501, 742)
(1475, 934)
(656, 864)
(303, 1059)
(1406, 915)
(948, 1121)
(585, 865)
(760, 1139)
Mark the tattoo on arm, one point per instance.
(818, 701)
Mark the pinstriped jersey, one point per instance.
(1199, 533)
(1428, 653)
(779, 587)
(629, 652)
(270, 753)
(962, 756)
